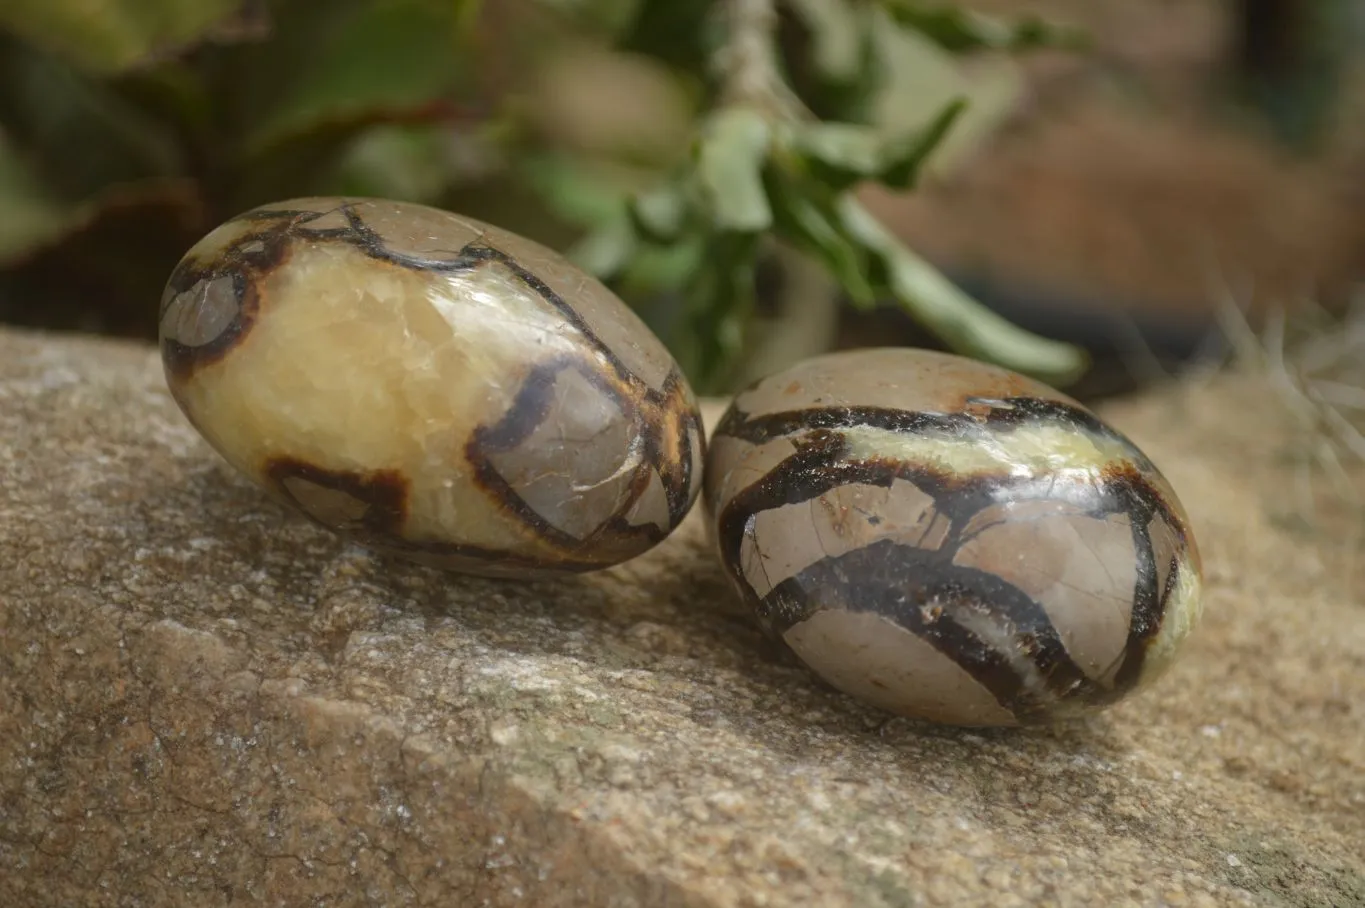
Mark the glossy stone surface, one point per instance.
(948, 540)
(431, 386)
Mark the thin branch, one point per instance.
(747, 63)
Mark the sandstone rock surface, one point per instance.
(206, 701)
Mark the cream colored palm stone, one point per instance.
(948, 540)
(431, 386)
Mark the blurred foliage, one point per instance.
(128, 128)
(1292, 58)
(112, 35)
(962, 30)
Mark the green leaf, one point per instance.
(608, 250)
(654, 283)
(734, 150)
(903, 159)
(353, 64)
(113, 35)
(805, 216)
(838, 40)
(682, 33)
(110, 259)
(661, 213)
(78, 133)
(959, 30)
(720, 303)
(961, 322)
(75, 149)
(34, 216)
(572, 190)
(656, 269)
(402, 162)
(842, 154)
(610, 17)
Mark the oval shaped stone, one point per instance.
(948, 540)
(431, 386)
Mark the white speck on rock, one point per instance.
(520, 674)
(621, 752)
(730, 803)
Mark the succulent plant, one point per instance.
(128, 128)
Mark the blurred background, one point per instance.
(1122, 168)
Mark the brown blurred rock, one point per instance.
(205, 701)
(1124, 208)
(1128, 180)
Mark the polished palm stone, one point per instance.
(431, 386)
(948, 540)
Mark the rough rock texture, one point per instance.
(205, 701)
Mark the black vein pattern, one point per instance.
(921, 589)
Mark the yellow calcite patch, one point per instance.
(364, 366)
(1183, 611)
(1047, 449)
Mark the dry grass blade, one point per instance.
(1315, 366)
